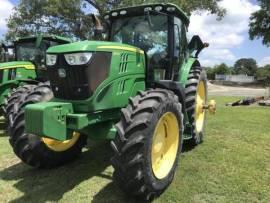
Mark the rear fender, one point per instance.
(185, 69)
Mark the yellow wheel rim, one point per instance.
(60, 146)
(165, 145)
(199, 110)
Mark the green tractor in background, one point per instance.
(27, 69)
(143, 89)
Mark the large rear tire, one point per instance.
(35, 150)
(148, 143)
(196, 98)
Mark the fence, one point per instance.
(235, 78)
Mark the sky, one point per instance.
(228, 38)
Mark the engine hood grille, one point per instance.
(79, 82)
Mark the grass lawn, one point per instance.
(232, 165)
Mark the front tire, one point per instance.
(148, 143)
(37, 151)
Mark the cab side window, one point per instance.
(176, 41)
(177, 37)
(184, 41)
(178, 49)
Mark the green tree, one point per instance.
(68, 17)
(260, 23)
(210, 73)
(221, 69)
(65, 17)
(247, 66)
(263, 74)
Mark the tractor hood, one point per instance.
(93, 46)
(17, 64)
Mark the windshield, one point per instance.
(27, 51)
(149, 32)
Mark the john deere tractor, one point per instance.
(27, 69)
(144, 89)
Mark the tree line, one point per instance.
(69, 18)
(245, 66)
(72, 19)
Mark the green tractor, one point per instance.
(27, 69)
(143, 89)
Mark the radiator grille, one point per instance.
(78, 82)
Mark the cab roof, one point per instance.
(167, 8)
(44, 36)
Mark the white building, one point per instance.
(235, 78)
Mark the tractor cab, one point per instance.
(160, 31)
(33, 49)
(29, 61)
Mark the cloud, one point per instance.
(5, 11)
(224, 35)
(213, 56)
(265, 61)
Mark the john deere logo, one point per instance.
(62, 73)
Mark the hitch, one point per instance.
(211, 107)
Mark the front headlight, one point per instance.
(51, 59)
(78, 58)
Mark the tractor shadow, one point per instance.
(51, 185)
(187, 147)
(111, 193)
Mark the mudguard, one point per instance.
(185, 69)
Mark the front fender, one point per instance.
(5, 89)
(185, 69)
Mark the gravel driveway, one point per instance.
(219, 90)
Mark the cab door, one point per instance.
(178, 56)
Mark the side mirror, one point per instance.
(197, 45)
